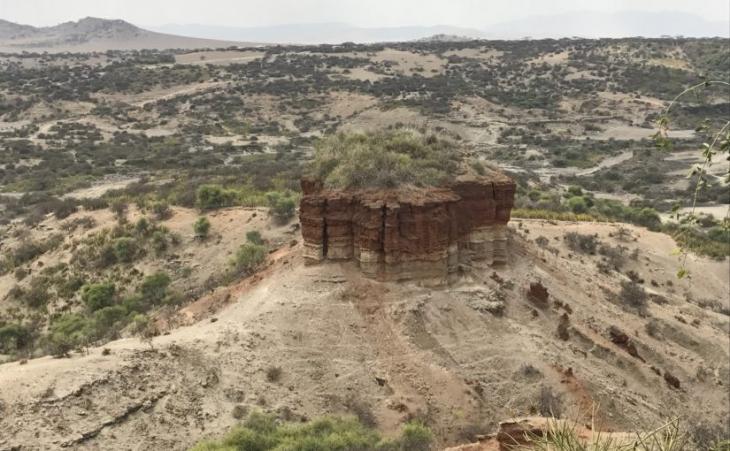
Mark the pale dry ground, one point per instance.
(333, 333)
(408, 63)
(362, 74)
(98, 189)
(218, 57)
(476, 53)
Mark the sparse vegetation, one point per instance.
(201, 228)
(248, 257)
(633, 295)
(585, 244)
(385, 160)
(264, 432)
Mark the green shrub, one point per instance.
(14, 336)
(125, 249)
(254, 237)
(281, 206)
(248, 257)
(154, 287)
(574, 191)
(158, 240)
(142, 227)
(37, 294)
(213, 196)
(134, 303)
(98, 295)
(69, 331)
(582, 243)
(65, 208)
(633, 295)
(415, 437)
(108, 319)
(161, 210)
(201, 227)
(69, 286)
(119, 207)
(577, 204)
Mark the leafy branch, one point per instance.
(718, 144)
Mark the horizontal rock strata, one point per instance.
(412, 233)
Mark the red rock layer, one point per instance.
(408, 233)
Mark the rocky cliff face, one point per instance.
(410, 233)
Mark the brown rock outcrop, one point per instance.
(409, 233)
(538, 294)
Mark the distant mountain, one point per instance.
(445, 38)
(580, 24)
(321, 33)
(610, 25)
(93, 34)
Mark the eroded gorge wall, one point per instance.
(410, 233)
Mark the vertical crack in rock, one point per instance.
(325, 238)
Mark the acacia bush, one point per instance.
(154, 287)
(581, 242)
(98, 295)
(248, 257)
(633, 295)
(201, 227)
(14, 337)
(254, 236)
(281, 205)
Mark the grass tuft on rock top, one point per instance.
(385, 159)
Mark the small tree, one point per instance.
(254, 237)
(142, 226)
(98, 295)
(161, 210)
(145, 328)
(249, 256)
(201, 227)
(634, 295)
(281, 206)
(125, 249)
(154, 287)
(119, 207)
(577, 204)
(213, 196)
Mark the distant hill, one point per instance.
(610, 25)
(580, 24)
(93, 34)
(320, 33)
(445, 38)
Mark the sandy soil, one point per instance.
(408, 62)
(346, 343)
(100, 188)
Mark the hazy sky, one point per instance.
(366, 13)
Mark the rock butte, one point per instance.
(409, 233)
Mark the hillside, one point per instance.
(94, 35)
(460, 357)
(149, 240)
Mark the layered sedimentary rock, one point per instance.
(409, 233)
